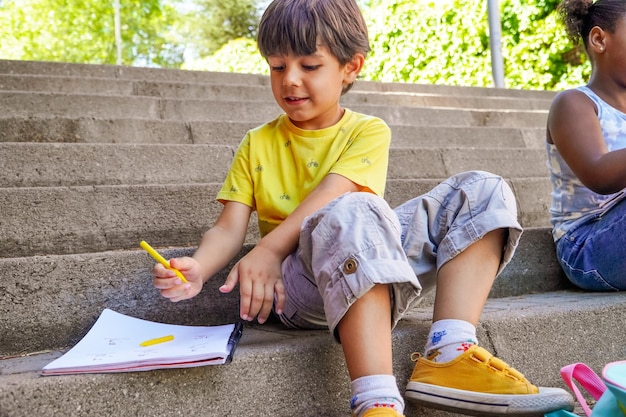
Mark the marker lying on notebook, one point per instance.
(157, 341)
(161, 260)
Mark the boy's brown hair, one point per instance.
(300, 26)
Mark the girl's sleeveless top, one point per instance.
(572, 202)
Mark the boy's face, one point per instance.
(308, 88)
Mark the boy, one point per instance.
(332, 253)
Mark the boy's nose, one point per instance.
(292, 77)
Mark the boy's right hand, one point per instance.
(171, 286)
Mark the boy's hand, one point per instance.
(260, 277)
(171, 286)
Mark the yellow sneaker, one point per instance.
(478, 383)
(382, 412)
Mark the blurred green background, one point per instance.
(417, 41)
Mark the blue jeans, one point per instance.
(593, 253)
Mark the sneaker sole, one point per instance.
(481, 404)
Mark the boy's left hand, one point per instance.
(259, 276)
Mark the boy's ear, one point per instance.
(353, 68)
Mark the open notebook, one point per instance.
(114, 344)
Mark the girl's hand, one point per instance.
(171, 286)
(260, 277)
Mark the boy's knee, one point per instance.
(485, 187)
(363, 203)
(360, 199)
(475, 178)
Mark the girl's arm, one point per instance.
(574, 128)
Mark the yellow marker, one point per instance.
(157, 341)
(161, 260)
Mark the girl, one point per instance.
(586, 141)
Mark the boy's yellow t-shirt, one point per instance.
(277, 164)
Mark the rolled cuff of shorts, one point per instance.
(459, 239)
(348, 286)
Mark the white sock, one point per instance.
(375, 391)
(448, 339)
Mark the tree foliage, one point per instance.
(428, 41)
(211, 24)
(419, 41)
(447, 42)
(539, 53)
(84, 31)
(239, 55)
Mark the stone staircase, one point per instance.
(94, 159)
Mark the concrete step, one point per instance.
(287, 373)
(26, 105)
(139, 153)
(68, 164)
(45, 165)
(79, 219)
(56, 69)
(439, 163)
(71, 290)
(61, 220)
(452, 90)
(95, 130)
(233, 92)
(63, 69)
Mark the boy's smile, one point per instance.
(308, 88)
(295, 100)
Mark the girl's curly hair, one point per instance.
(580, 16)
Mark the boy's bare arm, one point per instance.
(284, 239)
(221, 243)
